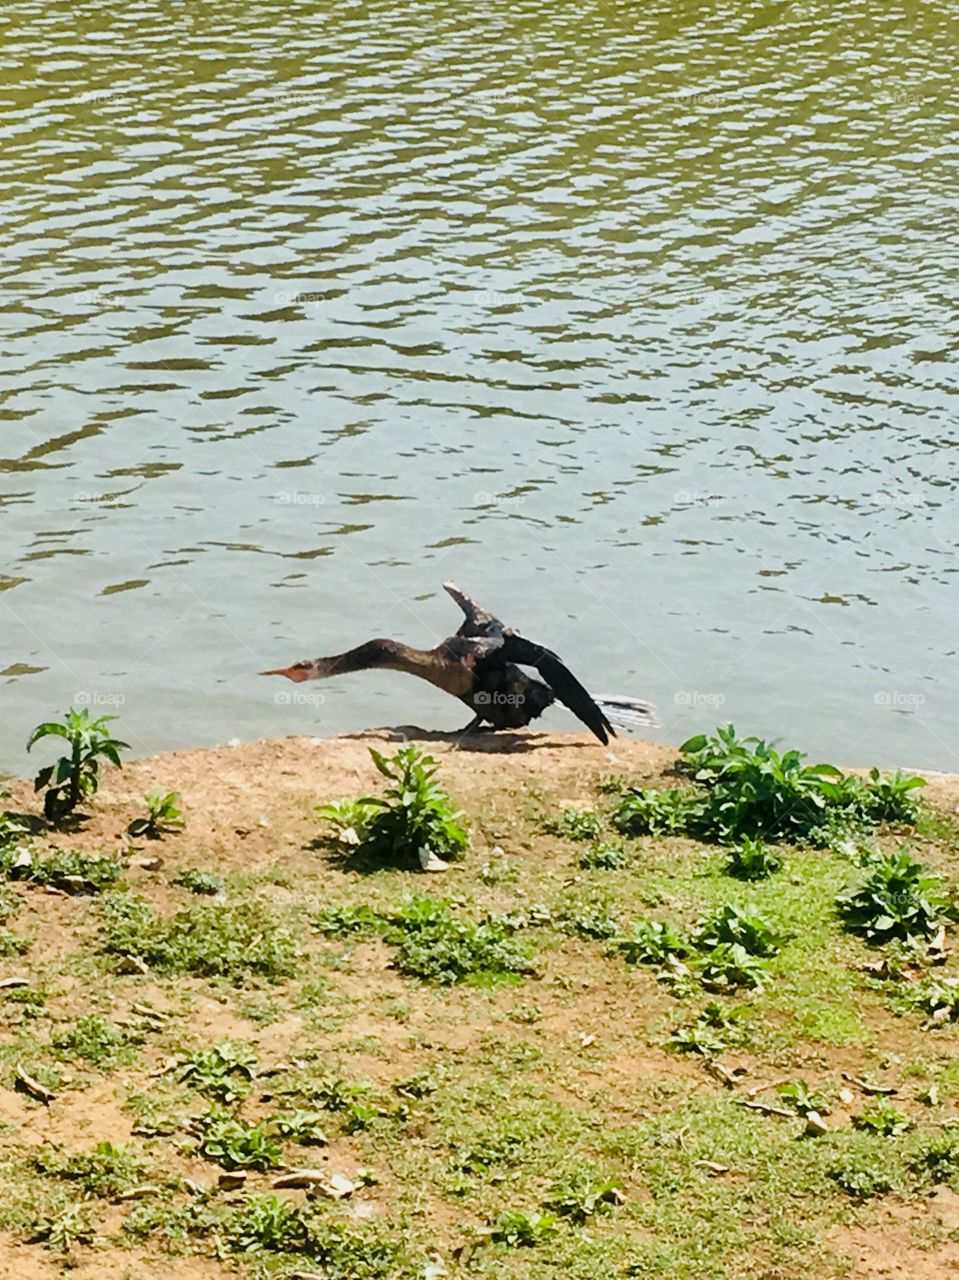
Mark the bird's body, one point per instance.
(479, 665)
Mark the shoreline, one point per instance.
(249, 792)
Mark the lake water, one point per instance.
(637, 320)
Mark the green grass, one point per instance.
(206, 940)
(538, 1069)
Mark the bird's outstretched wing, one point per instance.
(478, 621)
(561, 680)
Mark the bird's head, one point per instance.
(298, 672)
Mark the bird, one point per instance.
(480, 665)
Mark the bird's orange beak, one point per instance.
(298, 673)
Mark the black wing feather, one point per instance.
(561, 680)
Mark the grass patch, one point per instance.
(208, 940)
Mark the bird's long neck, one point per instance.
(390, 654)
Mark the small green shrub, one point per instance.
(202, 883)
(208, 939)
(163, 814)
(575, 824)
(225, 1072)
(596, 918)
(75, 776)
(106, 1171)
(343, 920)
(893, 798)
(754, 790)
(520, 1228)
(863, 1177)
(882, 1118)
(413, 817)
(304, 1127)
(650, 812)
(737, 927)
(62, 868)
(729, 966)
(898, 898)
(713, 1031)
(936, 1158)
(266, 1224)
(652, 942)
(61, 1231)
(582, 1196)
(805, 1100)
(452, 950)
(96, 1041)
(350, 819)
(605, 856)
(752, 859)
(237, 1144)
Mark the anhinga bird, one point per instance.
(480, 666)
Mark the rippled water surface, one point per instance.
(638, 320)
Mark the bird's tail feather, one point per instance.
(626, 712)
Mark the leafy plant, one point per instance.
(713, 1031)
(652, 942)
(304, 1127)
(163, 814)
(937, 1157)
(805, 1100)
(893, 797)
(237, 1144)
(939, 996)
(96, 1041)
(62, 868)
(225, 1072)
(898, 898)
(451, 950)
(728, 966)
(596, 918)
(734, 926)
(266, 1223)
(754, 790)
(605, 856)
(61, 1231)
(672, 811)
(12, 830)
(581, 1196)
(415, 816)
(75, 776)
(752, 859)
(350, 819)
(575, 824)
(523, 1228)
(206, 939)
(105, 1171)
(345, 919)
(206, 883)
(883, 1118)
